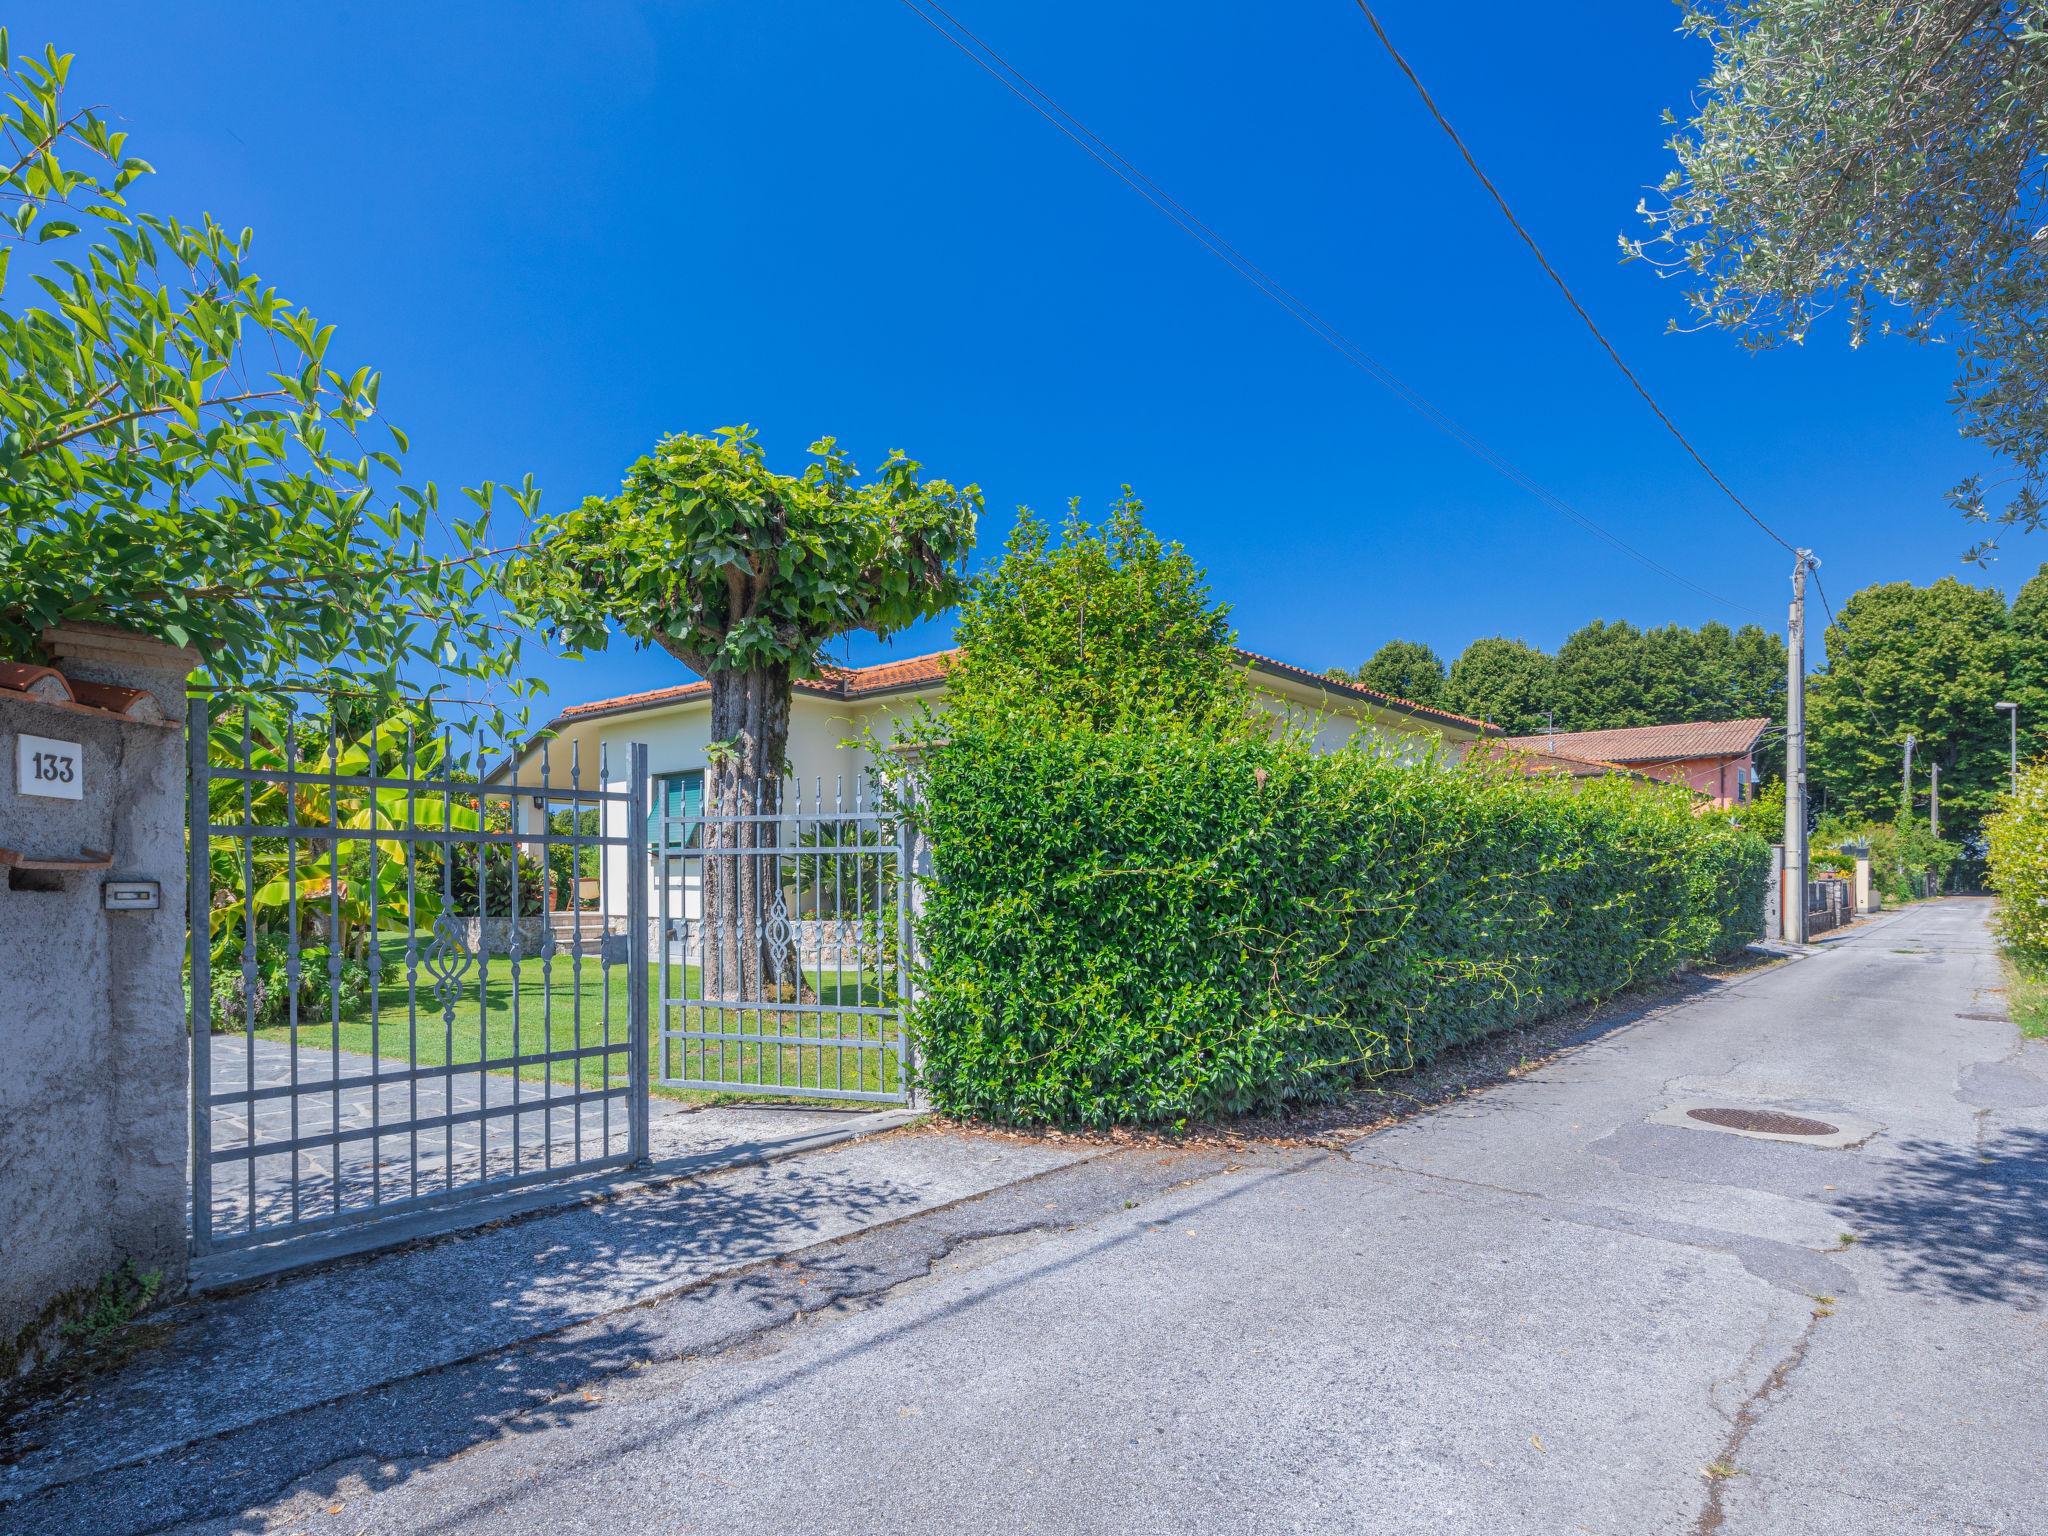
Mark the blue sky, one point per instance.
(562, 230)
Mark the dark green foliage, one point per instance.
(272, 991)
(1153, 926)
(495, 884)
(1505, 681)
(1406, 669)
(1613, 674)
(1610, 675)
(1932, 661)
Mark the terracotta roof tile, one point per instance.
(48, 686)
(649, 700)
(1652, 743)
(45, 683)
(925, 671)
(1357, 690)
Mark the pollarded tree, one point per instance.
(743, 574)
(1407, 669)
(179, 456)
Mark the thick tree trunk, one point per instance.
(747, 955)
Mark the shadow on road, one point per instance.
(533, 1303)
(1964, 1222)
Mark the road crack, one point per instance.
(1727, 1465)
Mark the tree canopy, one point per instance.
(743, 574)
(182, 456)
(1108, 627)
(1932, 661)
(1502, 680)
(1886, 161)
(1613, 674)
(1407, 669)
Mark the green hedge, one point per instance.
(2017, 863)
(1153, 927)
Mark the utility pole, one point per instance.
(1934, 798)
(1792, 887)
(1906, 783)
(2011, 711)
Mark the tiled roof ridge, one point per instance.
(1324, 680)
(834, 682)
(911, 671)
(1669, 742)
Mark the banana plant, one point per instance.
(307, 876)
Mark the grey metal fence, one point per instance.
(783, 949)
(396, 1002)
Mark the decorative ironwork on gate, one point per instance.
(411, 984)
(783, 943)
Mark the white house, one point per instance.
(831, 716)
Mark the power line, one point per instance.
(1822, 593)
(1562, 286)
(1019, 85)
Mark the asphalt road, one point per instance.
(1556, 1306)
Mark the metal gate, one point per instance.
(784, 943)
(412, 985)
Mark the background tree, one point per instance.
(1108, 627)
(1611, 674)
(2027, 683)
(1927, 660)
(1407, 669)
(1502, 680)
(743, 574)
(179, 455)
(1886, 160)
(1734, 675)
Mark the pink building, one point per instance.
(1715, 757)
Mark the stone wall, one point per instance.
(819, 941)
(494, 936)
(94, 1128)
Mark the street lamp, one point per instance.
(2011, 711)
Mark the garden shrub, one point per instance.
(1159, 925)
(272, 991)
(2017, 838)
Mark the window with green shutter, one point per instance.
(679, 801)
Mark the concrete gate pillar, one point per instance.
(94, 1117)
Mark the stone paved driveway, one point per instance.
(546, 1129)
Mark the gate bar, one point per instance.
(198, 940)
(636, 947)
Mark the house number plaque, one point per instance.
(53, 769)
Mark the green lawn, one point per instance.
(559, 1010)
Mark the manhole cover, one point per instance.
(1771, 1122)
